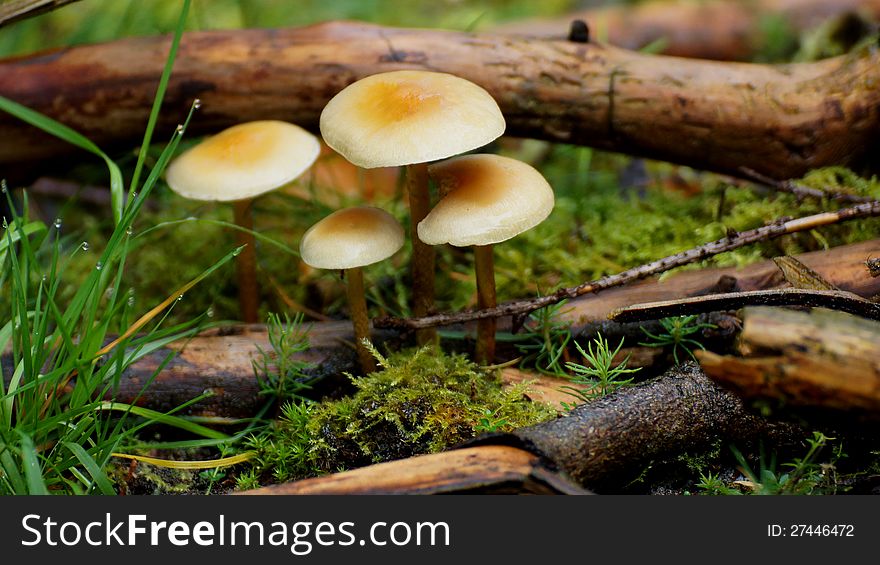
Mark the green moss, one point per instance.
(422, 401)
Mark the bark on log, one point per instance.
(821, 359)
(601, 445)
(724, 30)
(780, 121)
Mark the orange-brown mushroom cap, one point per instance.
(351, 237)
(488, 199)
(243, 161)
(405, 117)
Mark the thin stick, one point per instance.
(800, 190)
(484, 265)
(357, 303)
(523, 307)
(246, 262)
(423, 254)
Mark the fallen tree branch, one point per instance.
(820, 359)
(835, 300)
(725, 30)
(602, 445)
(778, 120)
(523, 307)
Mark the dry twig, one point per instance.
(521, 308)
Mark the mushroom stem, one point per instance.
(484, 265)
(357, 305)
(422, 254)
(246, 262)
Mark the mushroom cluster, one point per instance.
(413, 119)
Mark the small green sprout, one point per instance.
(675, 333)
(601, 376)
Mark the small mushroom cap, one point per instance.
(351, 237)
(243, 161)
(488, 199)
(404, 117)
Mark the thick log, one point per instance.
(724, 30)
(820, 359)
(780, 121)
(493, 469)
(601, 445)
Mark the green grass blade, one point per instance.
(160, 95)
(15, 234)
(88, 462)
(73, 137)
(257, 235)
(10, 472)
(32, 471)
(161, 418)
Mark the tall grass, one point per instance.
(61, 365)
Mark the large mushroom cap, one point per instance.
(405, 117)
(351, 237)
(488, 199)
(243, 161)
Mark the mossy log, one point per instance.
(724, 30)
(817, 359)
(780, 121)
(601, 445)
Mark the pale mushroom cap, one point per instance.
(243, 161)
(405, 117)
(351, 237)
(488, 199)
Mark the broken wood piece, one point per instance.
(817, 359)
(495, 469)
(832, 299)
(780, 121)
(799, 275)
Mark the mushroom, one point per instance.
(348, 240)
(488, 199)
(409, 118)
(238, 164)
